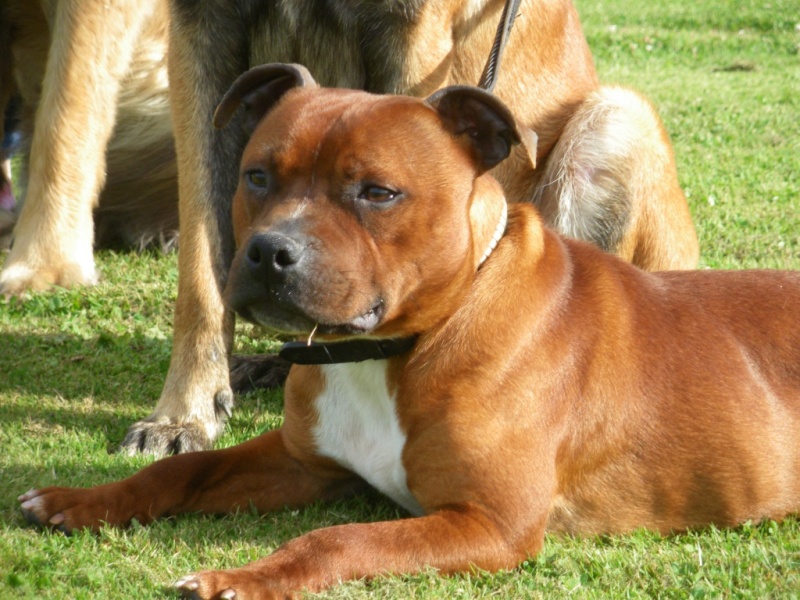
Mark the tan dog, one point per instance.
(606, 172)
(92, 77)
(535, 383)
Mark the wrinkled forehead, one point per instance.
(337, 122)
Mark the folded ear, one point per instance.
(485, 123)
(259, 89)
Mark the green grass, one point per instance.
(77, 367)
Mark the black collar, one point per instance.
(303, 353)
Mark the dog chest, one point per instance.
(358, 428)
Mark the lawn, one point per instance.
(77, 367)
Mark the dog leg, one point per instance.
(611, 179)
(455, 539)
(53, 237)
(259, 473)
(197, 396)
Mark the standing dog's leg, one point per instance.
(54, 235)
(197, 395)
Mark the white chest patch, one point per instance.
(359, 429)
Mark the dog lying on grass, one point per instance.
(495, 379)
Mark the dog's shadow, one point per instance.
(94, 380)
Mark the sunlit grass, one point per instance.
(77, 367)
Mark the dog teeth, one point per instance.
(228, 595)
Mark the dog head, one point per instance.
(359, 214)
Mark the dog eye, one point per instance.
(377, 194)
(257, 179)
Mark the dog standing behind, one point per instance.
(540, 384)
(606, 171)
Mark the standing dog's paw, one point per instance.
(160, 438)
(182, 426)
(17, 278)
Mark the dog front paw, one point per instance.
(67, 509)
(231, 584)
(162, 438)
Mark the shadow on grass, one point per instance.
(103, 383)
(72, 367)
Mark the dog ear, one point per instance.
(259, 89)
(485, 122)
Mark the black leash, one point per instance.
(489, 76)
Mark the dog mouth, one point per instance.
(294, 320)
(289, 285)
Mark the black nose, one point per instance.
(271, 255)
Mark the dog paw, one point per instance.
(259, 371)
(162, 438)
(65, 509)
(17, 278)
(232, 584)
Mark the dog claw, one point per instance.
(189, 586)
(160, 439)
(28, 496)
(30, 504)
(188, 583)
(223, 403)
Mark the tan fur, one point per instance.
(92, 78)
(554, 387)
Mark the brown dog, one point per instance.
(535, 383)
(98, 158)
(606, 172)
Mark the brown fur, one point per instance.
(552, 387)
(623, 196)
